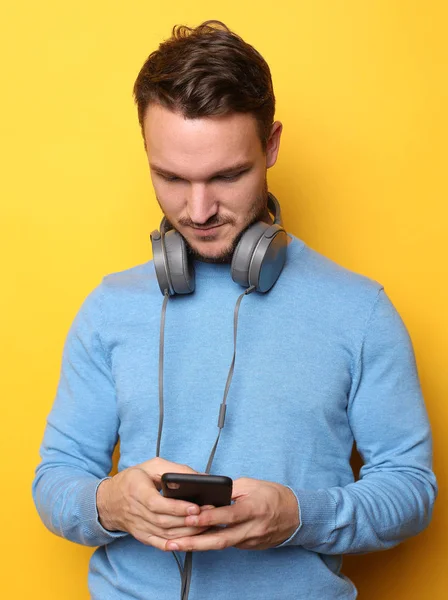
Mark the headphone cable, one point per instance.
(186, 569)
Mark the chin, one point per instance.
(221, 253)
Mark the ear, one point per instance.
(273, 144)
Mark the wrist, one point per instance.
(290, 511)
(294, 511)
(103, 505)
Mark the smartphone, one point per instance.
(213, 490)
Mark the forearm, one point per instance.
(65, 499)
(375, 513)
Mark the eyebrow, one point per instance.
(244, 166)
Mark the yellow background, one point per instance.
(362, 92)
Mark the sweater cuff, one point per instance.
(92, 528)
(317, 515)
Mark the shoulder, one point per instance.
(316, 270)
(323, 288)
(121, 295)
(140, 277)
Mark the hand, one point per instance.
(264, 514)
(130, 501)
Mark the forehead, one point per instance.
(197, 147)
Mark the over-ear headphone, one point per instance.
(257, 261)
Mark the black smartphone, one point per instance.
(214, 490)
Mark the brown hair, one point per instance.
(205, 71)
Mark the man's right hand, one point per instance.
(130, 501)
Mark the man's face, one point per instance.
(209, 176)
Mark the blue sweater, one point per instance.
(323, 359)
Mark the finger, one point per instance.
(176, 532)
(167, 522)
(155, 503)
(154, 540)
(243, 487)
(215, 540)
(156, 467)
(226, 515)
(157, 537)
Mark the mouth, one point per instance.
(203, 232)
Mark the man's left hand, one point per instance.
(264, 514)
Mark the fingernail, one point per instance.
(191, 521)
(193, 510)
(172, 546)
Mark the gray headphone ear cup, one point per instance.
(160, 266)
(260, 256)
(180, 271)
(244, 251)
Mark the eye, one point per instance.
(229, 178)
(169, 178)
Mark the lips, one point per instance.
(209, 231)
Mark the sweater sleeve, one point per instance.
(394, 496)
(80, 435)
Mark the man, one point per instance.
(323, 360)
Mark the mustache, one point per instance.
(214, 221)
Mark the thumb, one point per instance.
(242, 488)
(156, 467)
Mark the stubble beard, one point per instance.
(258, 212)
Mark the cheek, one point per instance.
(254, 183)
(241, 197)
(170, 198)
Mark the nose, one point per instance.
(200, 205)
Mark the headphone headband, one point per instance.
(274, 207)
